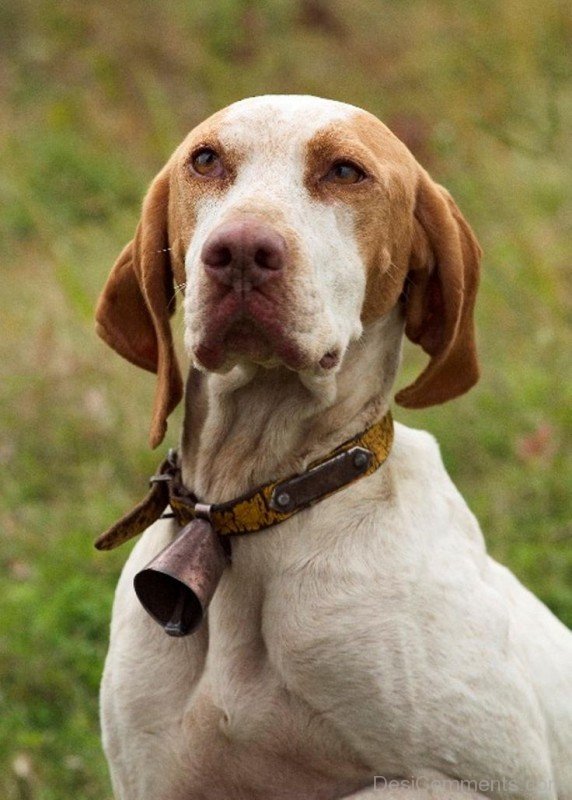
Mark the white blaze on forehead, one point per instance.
(281, 118)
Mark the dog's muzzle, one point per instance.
(176, 587)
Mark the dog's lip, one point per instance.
(259, 319)
(330, 359)
(213, 351)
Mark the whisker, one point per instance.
(393, 272)
(179, 289)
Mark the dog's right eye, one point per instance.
(345, 172)
(206, 162)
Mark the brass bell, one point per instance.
(176, 587)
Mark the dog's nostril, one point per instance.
(268, 258)
(220, 256)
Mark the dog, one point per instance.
(366, 646)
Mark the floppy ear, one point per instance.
(134, 308)
(440, 293)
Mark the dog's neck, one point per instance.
(254, 424)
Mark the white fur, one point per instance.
(369, 635)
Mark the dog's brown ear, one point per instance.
(138, 299)
(440, 293)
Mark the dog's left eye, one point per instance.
(344, 172)
(207, 162)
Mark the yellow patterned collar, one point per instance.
(266, 505)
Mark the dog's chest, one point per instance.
(321, 681)
(264, 742)
(246, 729)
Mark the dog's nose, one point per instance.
(244, 251)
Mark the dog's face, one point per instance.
(292, 222)
(280, 198)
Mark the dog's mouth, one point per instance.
(252, 327)
(244, 338)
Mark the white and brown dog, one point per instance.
(369, 635)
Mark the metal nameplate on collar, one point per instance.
(316, 483)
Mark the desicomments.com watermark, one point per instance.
(450, 784)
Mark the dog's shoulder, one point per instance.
(415, 446)
(425, 502)
(417, 464)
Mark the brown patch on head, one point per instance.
(189, 189)
(382, 204)
(139, 296)
(416, 247)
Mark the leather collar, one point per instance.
(266, 505)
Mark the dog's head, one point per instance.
(293, 222)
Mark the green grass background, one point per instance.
(93, 97)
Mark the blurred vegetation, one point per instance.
(93, 97)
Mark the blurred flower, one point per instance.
(23, 768)
(74, 762)
(97, 407)
(537, 446)
(20, 570)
